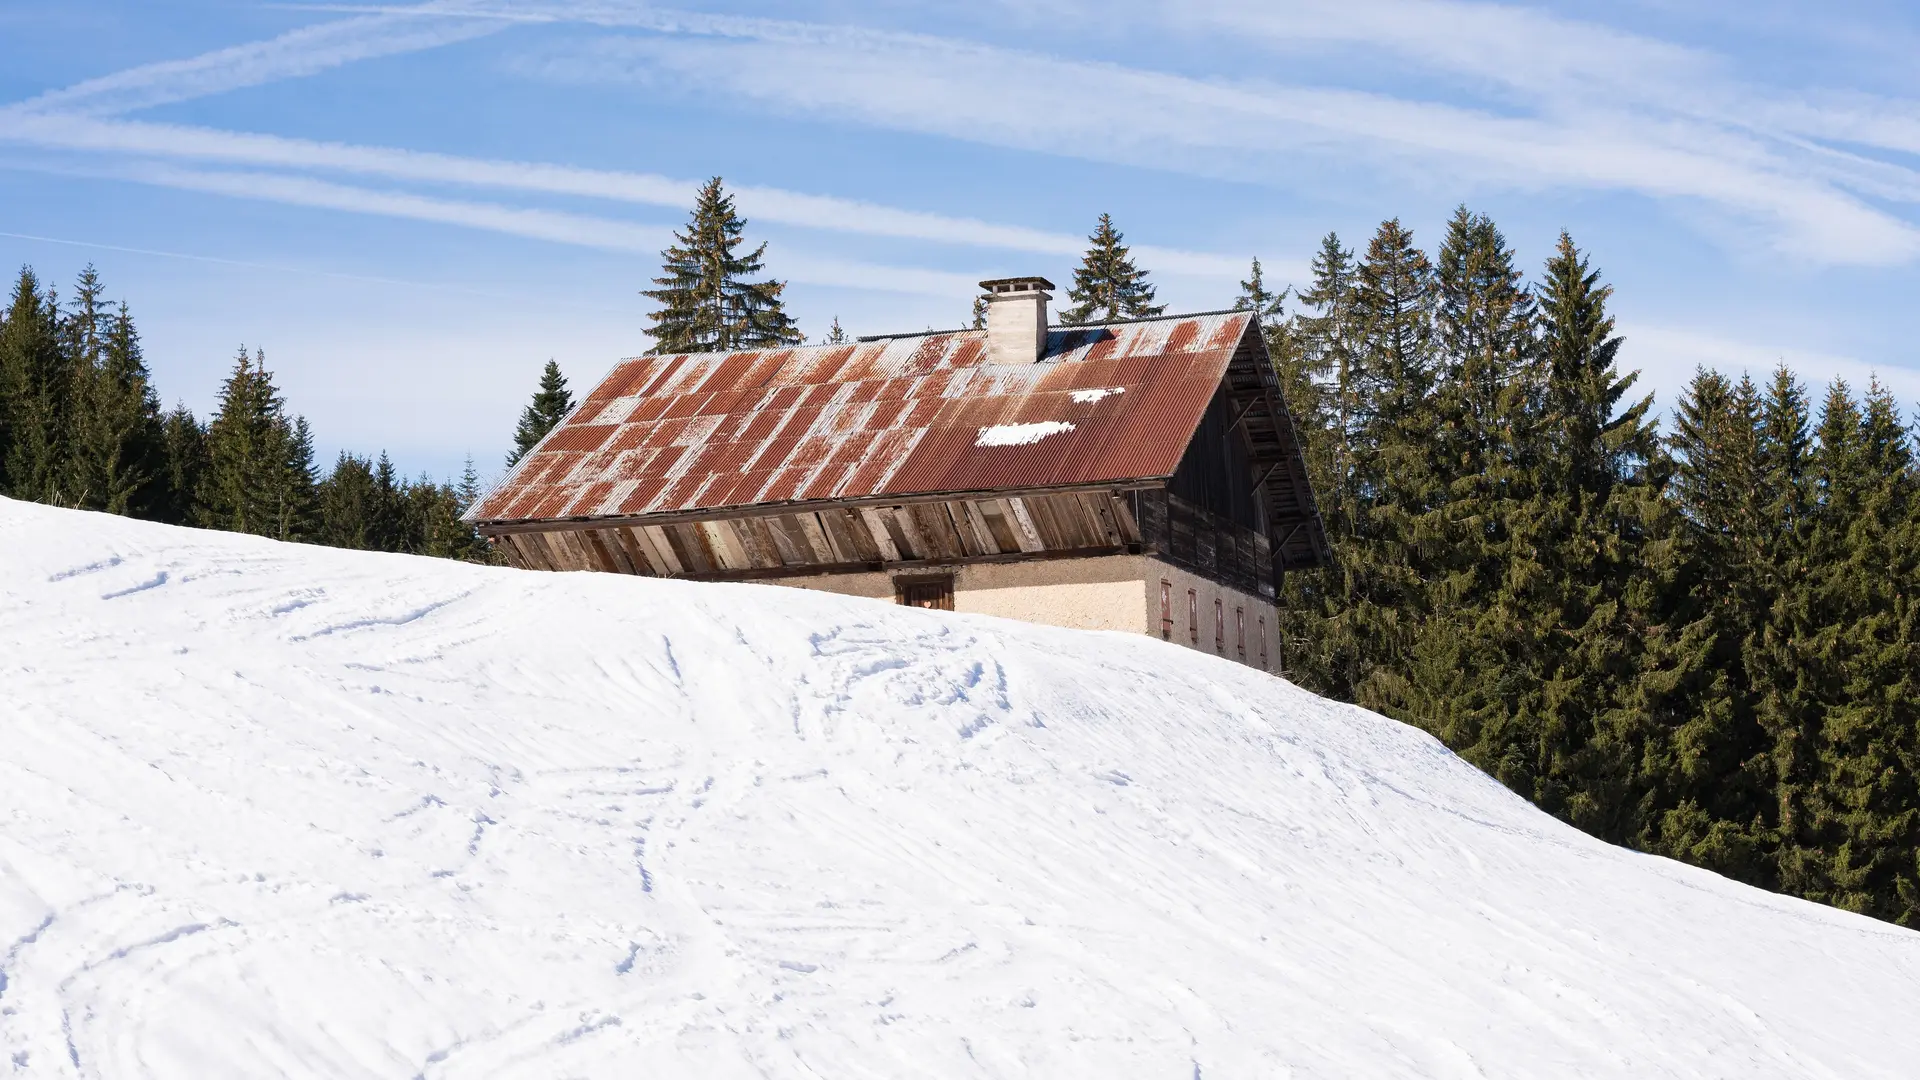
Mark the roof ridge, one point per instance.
(1060, 326)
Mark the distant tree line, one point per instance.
(1703, 643)
(81, 426)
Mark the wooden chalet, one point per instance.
(1139, 475)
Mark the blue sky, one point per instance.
(411, 207)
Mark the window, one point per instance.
(1263, 643)
(1193, 618)
(926, 592)
(1166, 610)
(1240, 632)
(1220, 627)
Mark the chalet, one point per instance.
(1140, 475)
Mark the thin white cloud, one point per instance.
(1251, 130)
(759, 203)
(1669, 354)
(306, 51)
(581, 230)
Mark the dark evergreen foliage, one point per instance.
(259, 475)
(708, 301)
(81, 426)
(1106, 285)
(1705, 646)
(184, 442)
(551, 403)
(37, 390)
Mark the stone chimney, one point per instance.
(1016, 319)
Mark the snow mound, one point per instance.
(273, 810)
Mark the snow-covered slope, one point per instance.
(270, 810)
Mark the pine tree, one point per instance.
(1320, 355)
(250, 482)
(387, 518)
(1268, 306)
(1392, 486)
(296, 507)
(346, 499)
(36, 394)
(1786, 697)
(184, 452)
(1485, 323)
(551, 403)
(1326, 356)
(1592, 514)
(979, 318)
(1858, 843)
(707, 301)
(1107, 287)
(1707, 761)
(464, 541)
(119, 446)
(835, 335)
(1462, 676)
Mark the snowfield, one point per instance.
(271, 810)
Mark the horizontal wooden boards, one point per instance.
(814, 541)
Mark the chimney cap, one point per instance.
(1016, 284)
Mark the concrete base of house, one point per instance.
(1136, 593)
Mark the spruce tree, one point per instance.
(1462, 675)
(1393, 483)
(1107, 287)
(346, 499)
(551, 403)
(1268, 307)
(464, 542)
(250, 482)
(1858, 844)
(184, 452)
(1710, 800)
(297, 489)
(978, 321)
(1591, 519)
(119, 445)
(387, 524)
(36, 394)
(1321, 353)
(835, 335)
(708, 300)
(1327, 340)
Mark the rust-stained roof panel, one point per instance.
(916, 415)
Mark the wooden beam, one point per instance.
(659, 549)
(1271, 469)
(681, 517)
(816, 536)
(982, 532)
(877, 529)
(643, 564)
(1028, 535)
(910, 565)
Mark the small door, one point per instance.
(935, 593)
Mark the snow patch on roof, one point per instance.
(1020, 434)
(1088, 397)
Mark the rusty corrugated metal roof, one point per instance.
(902, 416)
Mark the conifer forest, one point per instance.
(1692, 627)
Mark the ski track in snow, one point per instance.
(272, 810)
